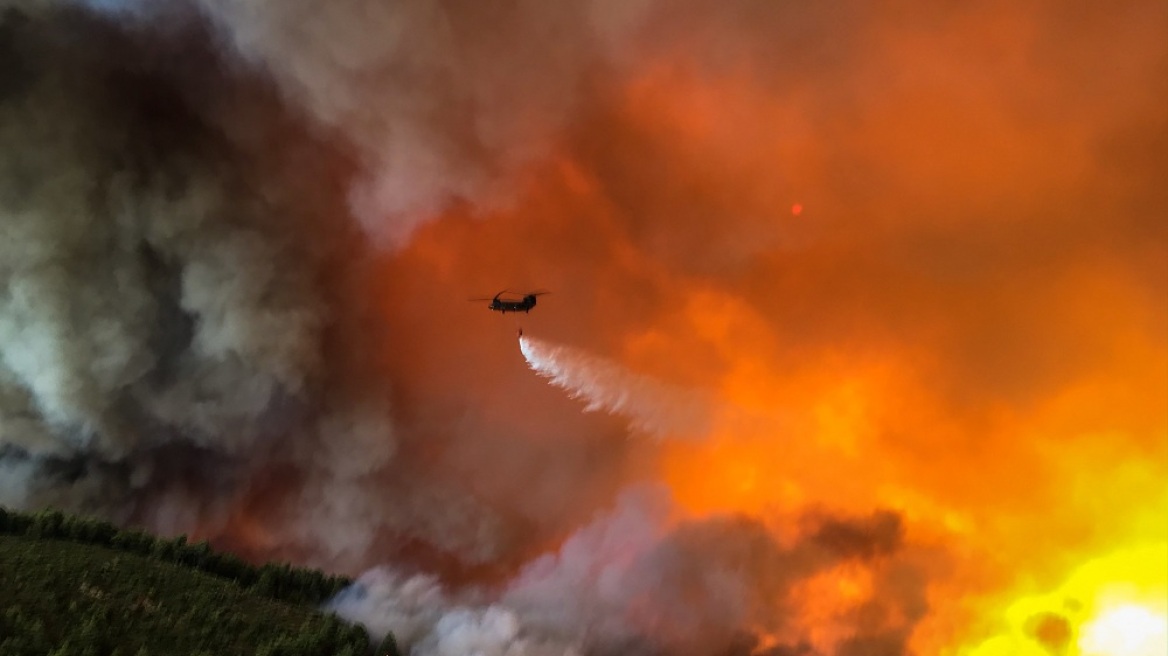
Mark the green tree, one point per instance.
(387, 646)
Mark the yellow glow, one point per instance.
(1115, 605)
(1126, 630)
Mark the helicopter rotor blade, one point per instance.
(496, 296)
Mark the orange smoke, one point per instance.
(969, 328)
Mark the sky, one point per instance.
(856, 339)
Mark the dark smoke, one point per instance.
(166, 308)
(188, 335)
(154, 307)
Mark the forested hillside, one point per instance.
(82, 587)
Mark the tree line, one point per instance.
(51, 608)
(277, 581)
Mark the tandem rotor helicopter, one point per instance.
(505, 305)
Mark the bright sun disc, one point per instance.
(1128, 630)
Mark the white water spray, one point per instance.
(652, 406)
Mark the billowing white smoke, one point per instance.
(641, 580)
(652, 406)
(427, 622)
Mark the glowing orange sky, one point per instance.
(965, 320)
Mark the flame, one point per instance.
(1114, 605)
(1019, 495)
(1126, 630)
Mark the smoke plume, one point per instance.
(150, 298)
(885, 284)
(444, 102)
(720, 585)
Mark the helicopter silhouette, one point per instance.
(505, 305)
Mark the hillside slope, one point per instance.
(80, 587)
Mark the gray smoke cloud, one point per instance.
(163, 313)
(174, 327)
(443, 100)
(186, 192)
(147, 291)
(638, 580)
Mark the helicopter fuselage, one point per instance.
(525, 305)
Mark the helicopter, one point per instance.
(511, 305)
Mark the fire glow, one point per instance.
(922, 410)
